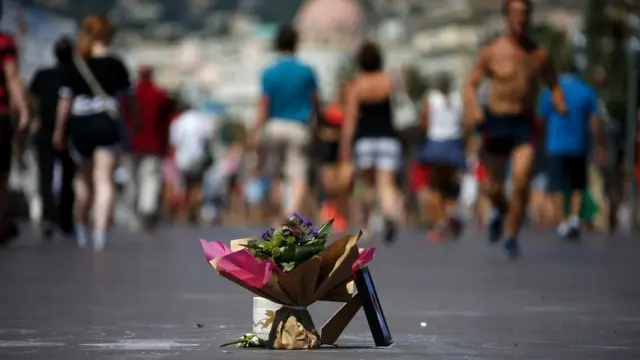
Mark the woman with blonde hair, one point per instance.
(89, 123)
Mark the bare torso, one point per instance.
(514, 74)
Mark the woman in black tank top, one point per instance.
(378, 153)
(90, 122)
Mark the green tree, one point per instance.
(606, 31)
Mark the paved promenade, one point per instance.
(144, 299)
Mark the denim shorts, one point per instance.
(445, 152)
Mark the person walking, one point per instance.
(43, 94)
(444, 154)
(567, 147)
(149, 141)
(377, 150)
(11, 92)
(88, 116)
(191, 135)
(287, 105)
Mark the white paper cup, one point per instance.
(264, 312)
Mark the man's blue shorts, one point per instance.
(503, 133)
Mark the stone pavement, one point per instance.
(144, 298)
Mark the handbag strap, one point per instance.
(93, 83)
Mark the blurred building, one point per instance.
(331, 22)
(215, 49)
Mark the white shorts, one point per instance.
(378, 153)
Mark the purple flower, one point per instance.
(296, 219)
(313, 233)
(308, 223)
(268, 234)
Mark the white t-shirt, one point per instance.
(188, 134)
(445, 118)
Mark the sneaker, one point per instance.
(99, 240)
(512, 249)
(81, 236)
(209, 214)
(573, 234)
(389, 231)
(495, 227)
(563, 230)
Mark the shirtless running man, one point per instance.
(514, 65)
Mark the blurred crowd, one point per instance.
(107, 150)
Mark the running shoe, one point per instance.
(573, 234)
(563, 230)
(81, 236)
(568, 232)
(495, 227)
(99, 240)
(389, 231)
(512, 249)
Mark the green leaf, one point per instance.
(288, 266)
(278, 238)
(289, 254)
(325, 230)
(306, 252)
(267, 246)
(252, 244)
(262, 255)
(275, 251)
(321, 241)
(291, 240)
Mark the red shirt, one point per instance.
(8, 54)
(155, 109)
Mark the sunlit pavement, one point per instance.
(145, 296)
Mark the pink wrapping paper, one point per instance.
(243, 266)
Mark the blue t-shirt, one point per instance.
(569, 135)
(289, 85)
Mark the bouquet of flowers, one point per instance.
(295, 242)
(292, 266)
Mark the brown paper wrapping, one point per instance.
(293, 329)
(324, 277)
